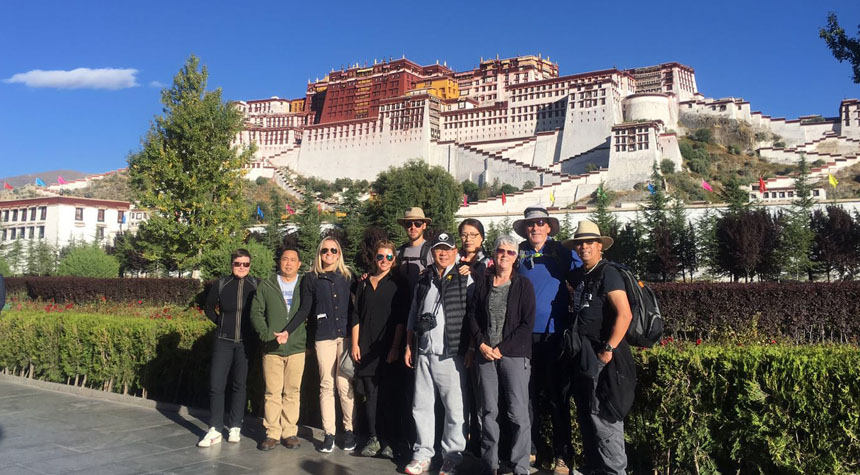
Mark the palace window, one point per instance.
(100, 232)
(101, 216)
(33, 213)
(79, 214)
(41, 232)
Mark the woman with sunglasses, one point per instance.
(501, 315)
(326, 303)
(228, 305)
(381, 304)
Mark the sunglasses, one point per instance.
(380, 257)
(413, 224)
(242, 264)
(506, 251)
(325, 251)
(537, 222)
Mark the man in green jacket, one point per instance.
(275, 304)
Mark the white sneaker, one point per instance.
(233, 435)
(211, 438)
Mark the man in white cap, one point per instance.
(546, 263)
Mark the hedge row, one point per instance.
(85, 289)
(699, 409)
(796, 312)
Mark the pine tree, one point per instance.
(735, 196)
(565, 229)
(188, 173)
(797, 236)
(606, 221)
(353, 224)
(707, 247)
(308, 220)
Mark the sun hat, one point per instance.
(533, 213)
(585, 231)
(413, 214)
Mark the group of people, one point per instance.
(481, 332)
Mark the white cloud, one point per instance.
(80, 78)
(156, 84)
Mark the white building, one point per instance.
(60, 219)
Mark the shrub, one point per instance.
(86, 290)
(667, 167)
(4, 267)
(216, 262)
(88, 261)
(703, 135)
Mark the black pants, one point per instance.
(549, 392)
(228, 359)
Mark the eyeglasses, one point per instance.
(325, 251)
(509, 252)
(380, 257)
(537, 222)
(465, 236)
(413, 224)
(242, 264)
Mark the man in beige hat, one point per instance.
(603, 313)
(546, 263)
(414, 255)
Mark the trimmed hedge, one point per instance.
(699, 409)
(797, 312)
(85, 290)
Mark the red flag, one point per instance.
(8, 186)
(319, 207)
(290, 210)
(465, 200)
(761, 186)
(504, 198)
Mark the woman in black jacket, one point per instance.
(501, 317)
(228, 305)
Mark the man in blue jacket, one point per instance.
(546, 263)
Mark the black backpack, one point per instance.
(646, 328)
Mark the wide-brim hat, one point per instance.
(414, 214)
(585, 231)
(533, 213)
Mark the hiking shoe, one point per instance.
(349, 440)
(268, 444)
(291, 442)
(559, 467)
(211, 438)
(371, 448)
(327, 445)
(386, 452)
(449, 467)
(417, 467)
(234, 435)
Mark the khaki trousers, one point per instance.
(283, 377)
(328, 354)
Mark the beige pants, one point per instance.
(328, 354)
(283, 377)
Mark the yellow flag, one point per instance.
(552, 197)
(832, 179)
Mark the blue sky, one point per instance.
(766, 52)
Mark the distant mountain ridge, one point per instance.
(49, 177)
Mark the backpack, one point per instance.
(422, 257)
(646, 327)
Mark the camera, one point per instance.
(424, 323)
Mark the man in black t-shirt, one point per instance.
(604, 371)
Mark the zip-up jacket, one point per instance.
(455, 291)
(326, 306)
(234, 307)
(269, 315)
(519, 316)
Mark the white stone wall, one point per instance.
(626, 168)
(650, 107)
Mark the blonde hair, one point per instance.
(340, 266)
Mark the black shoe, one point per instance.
(327, 445)
(348, 440)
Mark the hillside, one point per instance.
(48, 177)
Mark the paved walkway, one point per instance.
(47, 432)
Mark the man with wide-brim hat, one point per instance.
(588, 231)
(413, 214)
(414, 255)
(546, 263)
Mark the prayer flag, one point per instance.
(8, 186)
(290, 210)
(552, 196)
(465, 200)
(60, 180)
(706, 185)
(319, 208)
(651, 189)
(761, 186)
(39, 182)
(832, 179)
(259, 212)
(600, 192)
(504, 198)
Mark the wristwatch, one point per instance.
(608, 347)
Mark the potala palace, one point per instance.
(517, 120)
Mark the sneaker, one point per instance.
(371, 448)
(349, 440)
(234, 435)
(559, 467)
(449, 467)
(417, 467)
(327, 445)
(211, 438)
(386, 453)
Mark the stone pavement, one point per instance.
(47, 431)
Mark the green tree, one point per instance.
(503, 228)
(606, 221)
(707, 247)
(414, 184)
(835, 246)
(15, 257)
(4, 267)
(308, 220)
(797, 236)
(629, 249)
(353, 224)
(735, 195)
(88, 261)
(215, 262)
(188, 173)
(565, 229)
(41, 258)
(843, 47)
